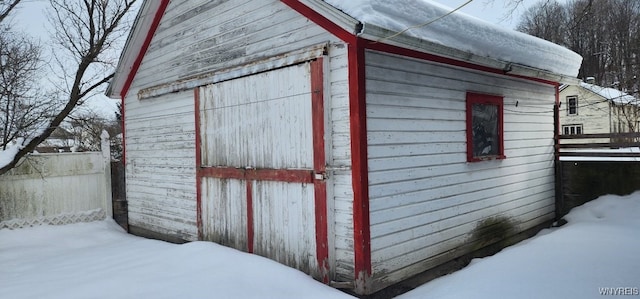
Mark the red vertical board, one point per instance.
(360, 177)
(250, 216)
(196, 104)
(319, 165)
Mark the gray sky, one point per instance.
(32, 19)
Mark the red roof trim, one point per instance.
(145, 46)
(382, 47)
(320, 20)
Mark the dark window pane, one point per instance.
(572, 105)
(566, 130)
(578, 130)
(485, 130)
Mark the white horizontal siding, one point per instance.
(196, 37)
(425, 199)
(160, 174)
(340, 187)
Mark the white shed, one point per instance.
(323, 136)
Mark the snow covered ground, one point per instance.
(99, 260)
(596, 252)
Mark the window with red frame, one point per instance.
(485, 138)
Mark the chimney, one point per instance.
(590, 80)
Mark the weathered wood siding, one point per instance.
(56, 189)
(160, 166)
(339, 165)
(261, 121)
(224, 212)
(201, 36)
(425, 199)
(198, 37)
(284, 226)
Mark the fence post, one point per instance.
(105, 146)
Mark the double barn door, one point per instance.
(261, 174)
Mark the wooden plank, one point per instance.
(605, 135)
(598, 154)
(600, 145)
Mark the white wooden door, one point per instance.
(261, 165)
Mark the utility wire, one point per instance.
(424, 24)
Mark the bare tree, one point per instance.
(606, 33)
(546, 19)
(85, 30)
(23, 108)
(87, 130)
(6, 7)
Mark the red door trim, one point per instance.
(196, 98)
(257, 174)
(281, 175)
(320, 167)
(250, 230)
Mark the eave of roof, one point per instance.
(139, 35)
(150, 12)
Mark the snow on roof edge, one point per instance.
(608, 93)
(463, 32)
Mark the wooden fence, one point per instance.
(591, 165)
(57, 188)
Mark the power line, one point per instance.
(424, 24)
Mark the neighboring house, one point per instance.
(327, 141)
(591, 109)
(59, 141)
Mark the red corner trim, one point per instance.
(145, 46)
(320, 167)
(360, 177)
(196, 97)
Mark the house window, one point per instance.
(572, 105)
(572, 130)
(485, 139)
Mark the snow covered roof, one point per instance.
(458, 31)
(611, 94)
